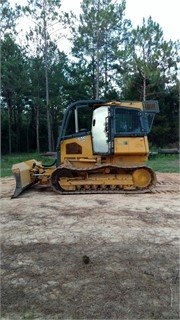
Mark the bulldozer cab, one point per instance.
(104, 121)
(110, 122)
(88, 119)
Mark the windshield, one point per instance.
(128, 120)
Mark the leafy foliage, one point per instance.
(100, 33)
(109, 60)
(9, 17)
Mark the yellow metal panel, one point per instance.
(129, 160)
(85, 142)
(130, 104)
(23, 168)
(131, 145)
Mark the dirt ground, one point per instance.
(132, 242)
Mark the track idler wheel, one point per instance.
(59, 180)
(142, 178)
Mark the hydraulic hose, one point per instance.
(49, 165)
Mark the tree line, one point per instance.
(109, 59)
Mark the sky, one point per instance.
(166, 13)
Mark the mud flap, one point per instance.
(22, 175)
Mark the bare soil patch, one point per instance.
(132, 242)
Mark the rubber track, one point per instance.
(109, 191)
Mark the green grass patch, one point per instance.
(161, 163)
(164, 163)
(8, 160)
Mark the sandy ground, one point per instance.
(132, 242)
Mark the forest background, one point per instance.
(109, 59)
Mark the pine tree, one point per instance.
(154, 60)
(101, 31)
(47, 20)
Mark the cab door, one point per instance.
(101, 132)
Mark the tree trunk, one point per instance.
(9, 129)
(18, 130)
(47, 100)
(144, 76)
(97, 66)
(106, 68)
(37, 129)
(47, 82)
(97, 57)
(27, 137)
(144, 87)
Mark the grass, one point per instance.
(8, 160)
(164, 163)
(161, 163)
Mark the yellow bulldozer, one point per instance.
(102, 148)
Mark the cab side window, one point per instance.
(70, 124)
(127, 121)
(83, 123)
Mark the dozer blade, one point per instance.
(23, 177)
